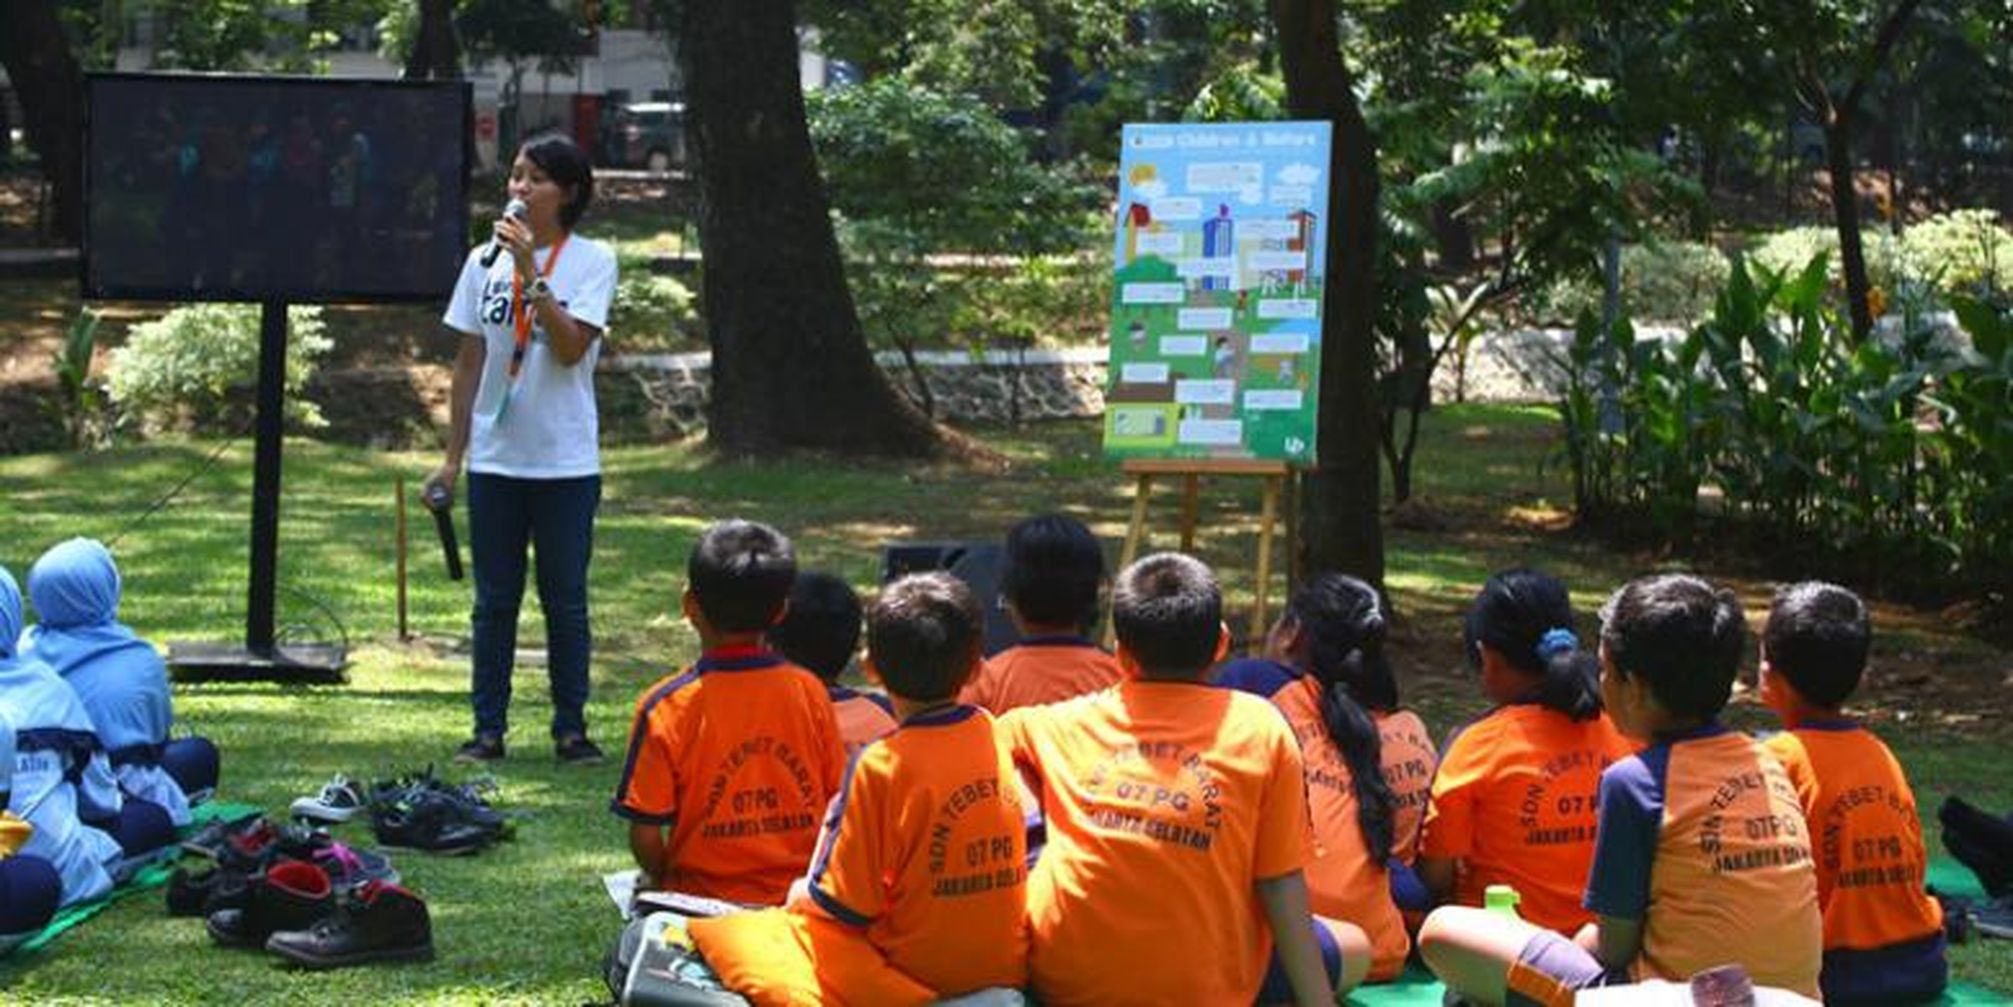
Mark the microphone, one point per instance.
(515, 208)
(441, 503)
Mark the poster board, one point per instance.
(1219, 256)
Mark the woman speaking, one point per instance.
(530, 306)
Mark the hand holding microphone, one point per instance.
(514, 209)
(440, 500)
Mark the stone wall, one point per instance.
(652, 397)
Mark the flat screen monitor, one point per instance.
(218, 187)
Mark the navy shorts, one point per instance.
(1550, 970)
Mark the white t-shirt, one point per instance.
(543, 425)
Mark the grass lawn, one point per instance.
(527, 921)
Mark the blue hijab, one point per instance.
(120, 678)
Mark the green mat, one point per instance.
(1417, 987)
(151, 877)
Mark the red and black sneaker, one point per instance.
(292, 895)
(377, 922)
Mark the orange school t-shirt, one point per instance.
(1514, 800)
(1703, 841)
(1345, 881)
(1041, 670)
(1166, 802)
(926, 849)
(738, 756)
(1409, 760)
(1879, 921)
(862, 716)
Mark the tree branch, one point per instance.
(1883, 45)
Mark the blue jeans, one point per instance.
(555, 518)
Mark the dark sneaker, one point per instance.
(376, 923)
(481, 748)
(432, 821)
(290, 896)
(575, 749)
(209, 841)
(202, 894)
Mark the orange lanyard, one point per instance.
(522, 318)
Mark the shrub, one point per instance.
(1964, 250)
(79, 405)
(1885, 457)
(1673, 281)
(651, 312)
(195, 366)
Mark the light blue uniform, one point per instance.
(61, 774)
(121, 680)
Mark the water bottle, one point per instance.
(1502, 899)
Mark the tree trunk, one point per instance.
(791, 367)
(1340, 515)
(37, 56)
(436, 54)
(1845, 215)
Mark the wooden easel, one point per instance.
(1281, 486)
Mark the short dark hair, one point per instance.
(821, 628)
(1054, 571)
(1679, 633)
(741, 572)
(1817, 637)
(564, 162)
(1168, 613)
(923, 636)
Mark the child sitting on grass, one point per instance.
(1054, 573)
(1317, 620)
(62, 783)
(1883, 934)
(30, 888)
(731, 762)
(820, 631)
(1513, 800)
(918, 887)
(1334, 628)
(119, 677)
(1701, 858)
(1177, 820)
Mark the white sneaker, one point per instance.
(339, 801)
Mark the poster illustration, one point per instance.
(1216, 305)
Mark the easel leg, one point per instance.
(1292, 507)
(1267, 513)
(1134, 532)
(1191, 495)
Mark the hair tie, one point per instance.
(1555, 642)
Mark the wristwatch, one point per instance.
(539, 290)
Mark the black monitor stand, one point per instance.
(262, 658)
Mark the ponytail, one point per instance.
(1527, 617)
(1344, 628)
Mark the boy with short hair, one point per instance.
(1176, 824)
(1054, 573)
(918, 888)
(1883, 934)
(1701, 856)
(730, 762)
(819, 632)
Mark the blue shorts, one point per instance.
(1550, 970)
(1278, 987)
